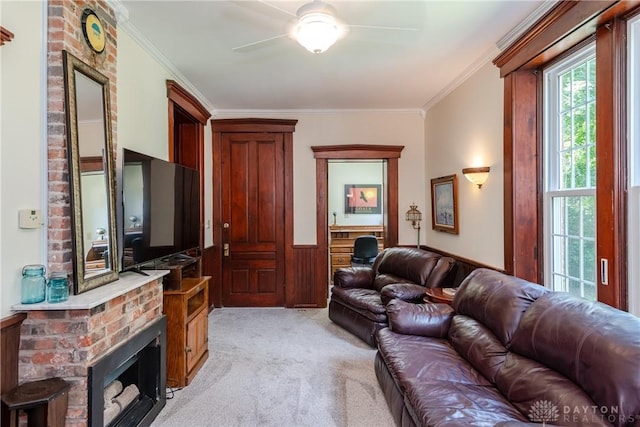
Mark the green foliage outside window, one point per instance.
(574, 227)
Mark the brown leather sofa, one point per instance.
(359, 294)
(509, 353)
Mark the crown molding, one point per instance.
(501, 44)
(284, 112)
(462, 77)
(119, 10)
(122, 16)
(524, 25)
(148, 47)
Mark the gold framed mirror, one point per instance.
(91, 175)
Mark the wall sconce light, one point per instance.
(415, 216)
(477, 175)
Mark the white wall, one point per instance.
(142, 111)
(353, 127)
(465, 130)
(142, 100)
(141, 126)
(22, 152)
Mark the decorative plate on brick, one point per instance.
(93, 30)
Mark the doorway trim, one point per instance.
(180, 101)
(251, 125)
(324, 153)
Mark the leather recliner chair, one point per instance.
(360, 294)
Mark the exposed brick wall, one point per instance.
(64, 343)
(65, 33)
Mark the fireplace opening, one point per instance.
(127, 387)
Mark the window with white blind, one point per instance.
(570, 174)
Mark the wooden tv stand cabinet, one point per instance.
(186, 306)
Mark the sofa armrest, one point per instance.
(428, 320)
(354, 277)
(404, 291)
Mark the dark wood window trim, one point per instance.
(322, 154)
(563, 28)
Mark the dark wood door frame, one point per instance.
(219, 127)
(322, 154)
(181, 103)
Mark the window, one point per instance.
(570, 174)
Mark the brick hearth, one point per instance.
(64, 339)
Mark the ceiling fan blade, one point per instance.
(378, 27)
(248, 46)
(266, 3)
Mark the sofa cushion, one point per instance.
(383, 279)
(445, 403)
(578, 338)
(366, 301)
(478, 345)
(496, 300)
(413, 357)
(429, 320)
(527, 383)
(404, 291)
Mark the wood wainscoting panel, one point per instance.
(211, 267)
(307, 286)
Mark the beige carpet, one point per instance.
(280, 367)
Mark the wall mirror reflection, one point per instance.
(91, 175)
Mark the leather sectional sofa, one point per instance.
(510, 353)
(360, 294)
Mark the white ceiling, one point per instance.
(368, 69)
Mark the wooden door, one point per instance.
(252, 192)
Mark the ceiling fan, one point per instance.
(316, 27)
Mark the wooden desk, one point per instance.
(341, 241)
(440, 295)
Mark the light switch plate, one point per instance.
(29, 218)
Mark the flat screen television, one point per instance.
(161, 211)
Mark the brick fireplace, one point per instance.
(67, 339)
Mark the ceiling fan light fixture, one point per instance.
(317, 28)
(317, 32)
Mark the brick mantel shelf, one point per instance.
(93, 298)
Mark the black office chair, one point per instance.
(365, 250)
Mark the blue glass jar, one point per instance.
(58, 287)
(33, 284)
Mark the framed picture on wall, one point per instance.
(444, 204)
(362, 199)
